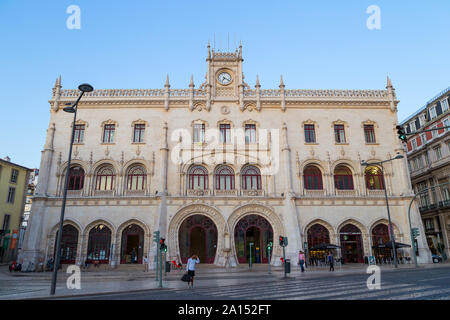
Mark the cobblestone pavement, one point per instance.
(347, 282)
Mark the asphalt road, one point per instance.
(411, 284)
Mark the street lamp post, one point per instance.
(70, 109)
(391, 231)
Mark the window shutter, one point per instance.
(408, 129)
(438, 108)
(417, 123)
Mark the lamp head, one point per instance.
(85, 87)
(398, 156)
(70, 108)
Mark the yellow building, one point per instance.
(13, 189)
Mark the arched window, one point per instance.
(76, 178)
(343, 179)
(136, 178)
(105, 178)
(224, 178)
(251, 178)
(99, 244)
(374, 178)
(312, 178)
(198, 178)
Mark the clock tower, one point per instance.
(224, 78)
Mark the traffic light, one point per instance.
(269, 245)
(415, 232)
(401, 134)
(162, 245)
(156, 236)
(281, 241)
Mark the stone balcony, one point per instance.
(252, 193)
(346, 193)
(135, 192)
(74, 193)
(225, 192)
(198, 192)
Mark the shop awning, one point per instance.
(324, 246)
(389, 245)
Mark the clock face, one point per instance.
(224, 78)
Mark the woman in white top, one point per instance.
(190, 267)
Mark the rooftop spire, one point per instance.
(281, 82)
(257, 82)
(167, 82)
(389, 83)
(192, 81)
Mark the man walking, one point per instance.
(301, 260)
(190, 267)
(331, 261)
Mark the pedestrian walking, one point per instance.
(301, 260)
(146, 264)
(331, 261)
(190, 267)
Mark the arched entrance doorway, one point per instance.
(69, 243)
(99, 244)
(380, 234)
(253, 229)
(317, 235)
(132, 244)
(198, 235)
(351, 244)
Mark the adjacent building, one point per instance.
(13, 188)
(221, 170)
(429, 166)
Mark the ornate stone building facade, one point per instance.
(429, 165)
(218, 167)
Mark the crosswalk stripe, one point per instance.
(382, 292)
(421, 294)
(277, 287)
(323, 294)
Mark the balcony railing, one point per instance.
(252, 193)
(346, 193)
(314, 193)
(225, 192)
(198, 192)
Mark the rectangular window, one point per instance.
(437, 152)
(199, 132)
(429, 225)
(225, 133)
(447, 124)
(11, 195)
(444, 104)
(6, 219)
(310, 133)
(139, 130)
(108, 133)
(250, 133)
(433, 112)
(423, 137)
(369, 133)
(339, 133)
(414, 144)
(14, 175)
(79, 133)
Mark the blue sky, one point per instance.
(134, 44)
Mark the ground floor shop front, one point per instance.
(224, 236)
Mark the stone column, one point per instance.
(291, 216)
(32, 246)
(161, 224)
